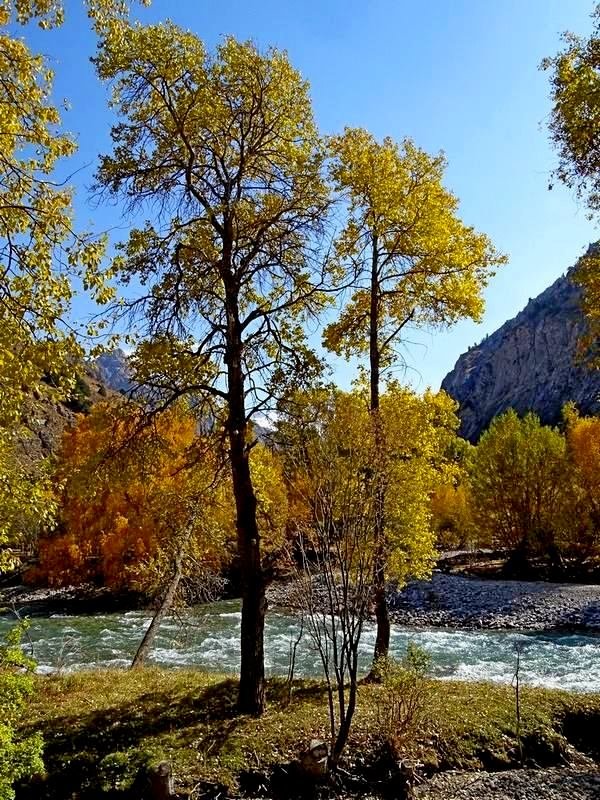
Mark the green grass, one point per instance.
(101, 726)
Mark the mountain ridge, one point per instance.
(530, 363)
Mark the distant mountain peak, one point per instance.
(114, 371)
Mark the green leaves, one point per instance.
(19, 758)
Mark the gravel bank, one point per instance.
(526, 784)
(459, 602)
(455, 601)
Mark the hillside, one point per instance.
(46, 420)
(529, 364)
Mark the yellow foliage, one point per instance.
(414, 257)
(332, 433)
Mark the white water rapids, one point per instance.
(207, 637)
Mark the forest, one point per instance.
(260, 251)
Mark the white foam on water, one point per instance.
(211, 641)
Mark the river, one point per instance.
(207, 637)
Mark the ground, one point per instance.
(101, 726)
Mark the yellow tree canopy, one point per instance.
(332, 432)
(404, 242)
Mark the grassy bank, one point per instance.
(101, 726)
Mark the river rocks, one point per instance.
(459, 602)
(526, 784)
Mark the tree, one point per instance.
(575, 117)
(19, 757)
(128, 500)
(224, 149)
(583, 448)
(452, 516)
(329, 463)
(40, 251)
(586, 275)
(518, 474)
(575, 132)
(335, 465)
(406, 456)
(412, 261)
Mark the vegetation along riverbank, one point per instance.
(102, 727)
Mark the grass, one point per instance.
(101, 726)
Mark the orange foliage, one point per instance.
(127, 495)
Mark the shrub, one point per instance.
(402, 702)
(19, 757)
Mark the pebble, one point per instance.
(527, 784)
(460, 602)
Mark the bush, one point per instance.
(19, 757)
(402, 701)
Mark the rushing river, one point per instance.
(208, 637)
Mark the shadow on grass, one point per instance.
(86, 754)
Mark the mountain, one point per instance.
(113, 370)
(45, 420)
(529, 364)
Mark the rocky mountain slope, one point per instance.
(113, 370)
(46, 420)
(529, 364)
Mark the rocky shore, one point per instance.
(525, 784)
(454, 601)
(460, 602)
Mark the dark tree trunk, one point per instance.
(382, 640)
(251, 697)
(166, 603)
(382, 616)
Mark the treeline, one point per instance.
(132, 489)
(531, 489)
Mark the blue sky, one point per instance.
(455, 75)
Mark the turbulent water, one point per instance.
(208, 637)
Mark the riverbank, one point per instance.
(455, 601)
(86, 598)
(465, 602)
(446, 601)
(101, 727)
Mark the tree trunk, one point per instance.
(167, 601)
(382, 640)
(382, 616)
(251, 697)
(254, 605)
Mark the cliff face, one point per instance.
(529, 364)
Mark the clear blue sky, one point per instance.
(456, 75)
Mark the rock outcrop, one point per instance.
(530, 364)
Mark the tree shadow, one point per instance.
(77, 744)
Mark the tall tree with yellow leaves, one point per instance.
(39, 248)
(224, 148)
(412, 261)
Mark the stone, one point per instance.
(529, 364)
(314, 762)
